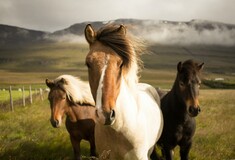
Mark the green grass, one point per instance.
(33, 64)
(215, 125)
(214, 138)
(27, 133)
(16, 94)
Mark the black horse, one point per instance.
(179, 107)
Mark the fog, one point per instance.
(173, 33)
(69, 38)
(182, 34)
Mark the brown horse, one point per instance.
(70, 96)
(179, 107)
(129, 120)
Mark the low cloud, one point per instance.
(183, 34)
(70, 38)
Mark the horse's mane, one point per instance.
(76, 90)
(190, 66)
(128, 47)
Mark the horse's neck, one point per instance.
(80, 112)
(176, 97)
(126, 103)
(130, 101)
(173, 105)
(70, 112)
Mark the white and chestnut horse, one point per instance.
(129, 118)
(72, 97)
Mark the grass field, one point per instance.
(27, 133)
(16, 94)
(33, 64)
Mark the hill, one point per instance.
(28, 56)
(16, 36)
(154, 31)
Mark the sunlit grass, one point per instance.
(214, 138)
(27, 133)
(16, 94)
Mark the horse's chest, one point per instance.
(184, 132)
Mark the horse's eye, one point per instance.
(181, 83)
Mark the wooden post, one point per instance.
(30, 95)
(35, 93)
(11, 99)
(23, 96)
(41, 96)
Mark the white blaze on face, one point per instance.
(99, 89)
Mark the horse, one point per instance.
(72, 97)
(129, 121)
(180, 106)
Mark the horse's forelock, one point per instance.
(118, 42)
(76, 90)
(126, 46)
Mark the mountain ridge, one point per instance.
(164, 30)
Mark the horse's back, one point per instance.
(148, 99)
(161, 92)
(151, 91)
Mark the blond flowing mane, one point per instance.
(128, 47)
(76, 90)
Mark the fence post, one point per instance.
(30, 95)
(23, 96)
(41, 96)
(11, 99)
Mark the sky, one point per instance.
(52, 15)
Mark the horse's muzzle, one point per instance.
(106, 118)
(194, 111)
(55, 123)
(109, 117)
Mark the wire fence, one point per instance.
(13, 97)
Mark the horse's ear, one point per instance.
(200, 66)
(90, 34)
(63, 81)
(179, 66)
(49, 83)
(122, 29)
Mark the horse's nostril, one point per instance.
(191, 109)
(112, 114)
(57, 123)
(199, 109)
(110, 117)
(194, 111)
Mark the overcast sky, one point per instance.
(52, 15)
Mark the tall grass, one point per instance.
(215, 134)
(16, 94)
(27, 133)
